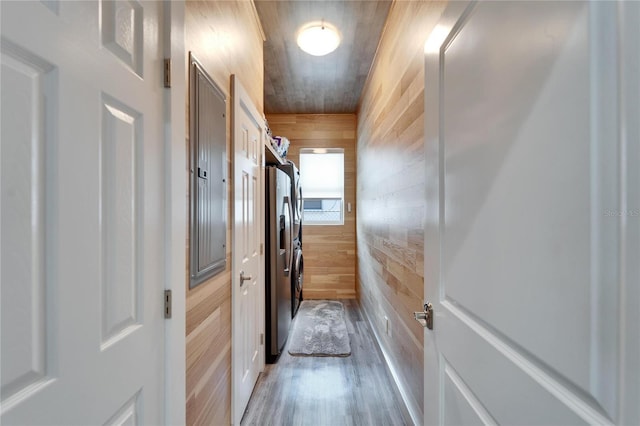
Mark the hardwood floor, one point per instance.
(356, 390)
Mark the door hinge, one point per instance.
(261, 248)
(262, 338)
(167, 72)
(167, 303)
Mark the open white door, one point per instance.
(532, 236)
(247, 349)
(83, 204)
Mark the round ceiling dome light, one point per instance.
(318, 38)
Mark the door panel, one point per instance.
(247, 294)
(82, 213)
(121, 207)
(461, 405)
(530, 105)
(28, 99)
(522, 259)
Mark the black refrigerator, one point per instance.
(278, 260)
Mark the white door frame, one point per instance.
(175, 214)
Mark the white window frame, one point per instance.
(321, 151)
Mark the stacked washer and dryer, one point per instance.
(297, 268)
(284, 266)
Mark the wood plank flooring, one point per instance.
(356, 390)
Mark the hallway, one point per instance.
(489, 180)
(355, 390)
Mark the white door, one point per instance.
(533, 228)
(248, 263)
(82, 213)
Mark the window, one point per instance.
(322, 181)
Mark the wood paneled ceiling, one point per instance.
(296, 82)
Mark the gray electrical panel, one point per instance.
(208, 187)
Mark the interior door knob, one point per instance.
(426, 317)
(244, 278)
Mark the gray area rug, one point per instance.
(319, 330)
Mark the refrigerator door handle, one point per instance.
(287, 241)
(300, 205)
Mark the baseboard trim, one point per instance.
(414, 412)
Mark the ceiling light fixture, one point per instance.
(318, 38)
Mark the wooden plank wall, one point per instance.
(391, 196)
(226, 38)
(329, 251)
